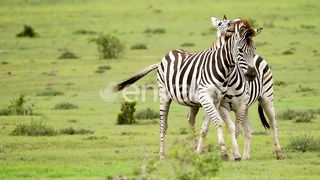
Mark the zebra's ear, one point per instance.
(215, 21)
(258, 31)
(224, 17)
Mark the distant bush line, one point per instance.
(39, 128)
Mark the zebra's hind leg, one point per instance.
(165, 102)
(225, 114)
(268, 107)
(203, 132)
(247, 136)
(193, 111)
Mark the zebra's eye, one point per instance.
(219, 23)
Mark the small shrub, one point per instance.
(102, 69)
(66, 54)
(183, 131)
(84, 32)
(126, 116)
(18, 106)
(72, 131)
(65, 106)
(35, 128)
(108, 46)
(139, 46)
(187, 44)
(155, 31)
(299, 115)
(304, 89)
(185, 164)
(4, 62)
(72, 120)
(288, 52)
(280, 83)
(50, 92)
(147, 114)
(28, 31)
(304, 26)
(304, 143)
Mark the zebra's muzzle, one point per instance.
(251, 74)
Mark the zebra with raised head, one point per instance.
(260, 89)
(200, 79)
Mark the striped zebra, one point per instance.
(260, 89)
(200, 79)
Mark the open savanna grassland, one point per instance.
(289, 41)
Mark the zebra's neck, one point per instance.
(220, 63)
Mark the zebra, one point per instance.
(200, 79)
(260, 89)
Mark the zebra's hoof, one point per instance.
(224, 157)
(237, 159)
(279, 156)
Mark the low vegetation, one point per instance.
(147, 114)
(66, 54)
(50, 92)
(139, 46)
(18, 106)
(305, 143)
(155, 31)
(185, 164)
(299, 115)
(102, 69)
(187, 44)
(35, 128)
(108, 46)
(65, 106)
(84, 32)
(72, 131)
(126, 116)
(27, 31)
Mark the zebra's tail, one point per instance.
(263, 118)
(135, 78)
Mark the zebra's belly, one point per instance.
(184, 95)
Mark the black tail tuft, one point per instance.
(263, 118)
(134, 78)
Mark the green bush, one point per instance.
(139, 46)
(299, 115)
(72, 131)
(49, 92)
(18, 106)
(27, 31)
(155, 31)
(185, 164)
(304, 143)
(84, 32)
(102, 69)
(126, 116)
(65, 106)
(35, 128)
(147, 114)
(108, 46)
(66, 54)
(187, 44)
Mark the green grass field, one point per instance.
(33, 66)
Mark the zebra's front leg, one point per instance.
(211, 114)
(269, 109)
(165, 102)
(193, 111)
(247, 136)
(225, 115)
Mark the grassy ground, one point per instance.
(288, 25)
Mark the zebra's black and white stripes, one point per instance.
(260, 89)
(200, 79)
